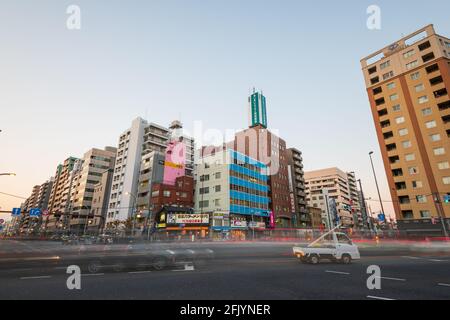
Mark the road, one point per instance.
(239, 271)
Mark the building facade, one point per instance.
(407, 83)
(232, 188)
(339, 187)
(297, 194)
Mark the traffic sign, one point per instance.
(16, 212)
(45, 213)
(35, 212)
(2, 221)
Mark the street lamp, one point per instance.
(8, 174)
(376, 183)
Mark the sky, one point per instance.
(65, 91)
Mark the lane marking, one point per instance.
(92, 274)
(394, 279)
(37, 277)
(379, 298)
(436, 260)
(336, 272)
(444, 284)
(138, 272)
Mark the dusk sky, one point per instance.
(64, 91)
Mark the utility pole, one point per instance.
(440, 210)
(363, 200)
(376, 183)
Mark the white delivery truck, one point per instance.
(333, 245)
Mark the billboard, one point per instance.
(175, 160)
(183, 218)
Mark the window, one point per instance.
(217, 202)
(415, 75)
(432, 68)
(372, 70)
(430, 124)
(436, 80)
(428, 57)
(443, 165)
(419, 87)
(393, 97)
(439, 151)
(166, 193)
(204, 190)
(410, 157)
(412, 65)
(426, 111)
(407, 214)
(413, 170)
(425, 214)
(396, 107)
(204, 204)
(417, 184)
(406, 144)
(409, 53)
(435, 137)
(217, 175)
(424, 45)
(399, 120)
(423, 99)
(384, 65)
(391, 85)
(388, 75)
(421, 199)
(217, 188)
(377, 90)
(446, 180)
(403, 132)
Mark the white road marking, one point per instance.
(336, 272)
(379, 298)
(394, 279)
(138, 272)
(37, 277)
(92, 274)
(444, 284)
(435, 260)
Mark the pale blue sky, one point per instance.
(63, 92)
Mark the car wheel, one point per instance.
(346, 259)
(94, 266)
(159, 263)
(314, 259)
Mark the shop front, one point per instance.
(220, 225)
(182, 224)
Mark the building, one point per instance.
(259, 143)
(100, 200)
(339, 187)
(94, 163)
(232, 188)
(130, 180)
(257, 110)
(407, 83)
(59, 200)
(316, 217)
(297, 195)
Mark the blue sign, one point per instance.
(381, 217)
(16, 212)
(35, 212)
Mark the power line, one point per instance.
(12, 195)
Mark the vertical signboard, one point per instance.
(174, 165)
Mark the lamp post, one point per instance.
(8, 174)
(376, 183)
(363, 200)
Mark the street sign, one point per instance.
(16, 212)
(35, 212)
(45, 213)
(381, 217)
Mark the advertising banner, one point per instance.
(185, 219)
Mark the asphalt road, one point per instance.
(238, 271)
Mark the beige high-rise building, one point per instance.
(338, 185)
(407, 84)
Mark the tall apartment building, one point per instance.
(100, 200)
(407, 84)
(232, 188)
(297, 195)
(94, 163)
(134, 145)
(44, 194)
(151, 171)
(261, 144)
(338, 185)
